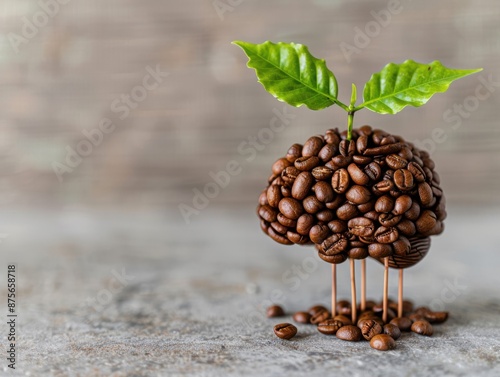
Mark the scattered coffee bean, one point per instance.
(414, 317)
(436, 317)
(316, 309)
(285, 330)
(370, 328)
(329, 326)
(302, 317)
(403, 323)
(320, 316)
(392, 330)
(358, 194)
(275, 311)
(342, 318)
(350, 333)
(382, 342)
(422, 327)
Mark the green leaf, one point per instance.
(409, 83)
(291, 74)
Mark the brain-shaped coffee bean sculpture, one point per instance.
(374, 195)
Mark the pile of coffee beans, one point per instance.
(369, 324)
(375, 195)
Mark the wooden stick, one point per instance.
(400, 293)
(386, 288)
(363, 284)
(334, 289)
(353, 292)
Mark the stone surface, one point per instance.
(194, 296)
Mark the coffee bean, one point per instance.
(414, 212)
(350, 333)
(274, 195)
(389, 139)
(302, 317)
(264, 225)
(302, 185)
(357, 252)
(383, 187)
(425, 194)
(402, 204)
(426, 221)
(329, 326)
(337, 226)
(283, 220)
(422, 327)
(401, 246)
(362, 143)
(322, 173)
(325, 216)
(403, 179)
(395, 162)
(280, 165)
(407, 228)
(279, 227)
(316, 309)
(406, 153)
(285, 330)
(384, 204)
(327, 152)
(341, 161)
(343, 319)
(286, 192)
(319, 233)
(294, 152)
(403, 323)
(382, 342)
(347, 211)
(436, 317)
(428, 163)
(370, 328)
(312, 146)
(414, 317)
(383, 150)
(268, 213)
(361, 160)
(306, 163)
(392, 330)
(304, 224)
(361, 226)
(373, 171)
(335, 203)
(291, 208)
(372, 215)
(312, 204)
(275, 311)
(289, 175)
(332, 137)
(429, 175)
(358, 194)
(366, 207)
(386, 235)
(334, 244)
(333, 259)
(388, 219)
(347, 147)
(278, 237)
(297, 238)
(340, 181)
(263, 198)
(344, 307)
(417, 171)
(357, 175)
(365, 130)
(379, 250)
(323, 191)
(319, 317)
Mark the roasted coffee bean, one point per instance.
(291, 208)
(361, 160)
(383, 187)
(294, 152)
(329, 326)
(302, 317)
(436, 317)
(268, 213)
(401, 246)
(319, 233)
(361, 226)
(422, 328)
(429, 175)
(382, 342)
(395, 162)
(372, 215)
(414, 317)
(403, 323)
(414, 212)
(386, 235)
(319, 317)
(350, 333)
(340, 181)
(365, 130)
(306, 163)
(323, 191)
(297, 238)
(333, 259)
(289, 175)
(280, 165)
(337, 226)
(428, 163)
(275, 311)
(417, 171)
(278, 181)
(278, 237)
(316, 309)
(388, 219)
(304, 224)
(370, 328)
(302, 185)
(425, 194)
(392, 330)
(343, 307)
(343, 319)
(274, 195)
(357, 252)
(286, 192)
(406, 153)
(389, 139)
(362, 143)
(332, 137)
(347, 147)
(322, 173)
(384, 149)
(283, 220)
(402, 204)
(437, 191)
(263, 198)
(379, 250)
(279, 227)
(347, 211)
(312, 146)
(341, 161)
(373, 171)
(403, 180)
(327, 152)
(358, 194)
(366, 207)
(406, 227)
(389, 174)
(384, 204)
(335, 203)
(285, 330)
(264, 225)
(312, 204)
(334, 244)
(357, 175)
(426, 221)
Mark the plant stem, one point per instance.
(350, 120)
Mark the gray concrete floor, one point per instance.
(138, 294)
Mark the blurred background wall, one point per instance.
(68, 67)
